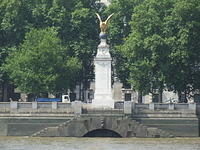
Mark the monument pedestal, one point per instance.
(103, 90)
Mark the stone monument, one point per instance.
(102, 62)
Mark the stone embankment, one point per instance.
(78, 120)
(81, 126)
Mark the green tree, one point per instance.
(145, 48)
(42, 64)
(161, 50)
(74, 20)
(119, 29)
(182, 30)
(77, 27)
(84, 40)
(14, 23)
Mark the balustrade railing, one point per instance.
(35, 107)
(79, 107)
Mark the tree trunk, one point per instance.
(80, 91)
(160, 92)
(185, 97)
(1, 92)
(160, 100)
(140, 97)
(8, 91)
(5, 92)
(179, 96)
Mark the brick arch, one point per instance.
(102, 133)
(110, 124)
(122, 126)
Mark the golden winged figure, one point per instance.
(104, 24)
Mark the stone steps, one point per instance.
(158, 133)
(151, 132)
(45, 132)
(103, 111)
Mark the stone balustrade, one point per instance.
(191, 108)
(77, 107)
(36, 107)
(171, 106)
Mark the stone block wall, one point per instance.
(26, 126)
(179, 127)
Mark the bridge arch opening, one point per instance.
(102, 133)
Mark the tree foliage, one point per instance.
(162, 48)
(41, 64)
(155, 44)
(182, 30)
(119, 29)
(74, 20)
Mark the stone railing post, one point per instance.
(128, 107)
(193, 107)
(54, 105)
(34, 105)
(77, 106)
(151, 106)
(171, 106)
(13, 105)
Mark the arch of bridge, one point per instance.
(81, 127)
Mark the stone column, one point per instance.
(103, 90)
(171, 106)
(13, 105)
(128, 107)
(54, 105)
(193, 107)
(151, 106)
(34, 105)
(77, 106)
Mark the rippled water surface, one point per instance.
(26, 143)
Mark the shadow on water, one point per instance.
(102, 133)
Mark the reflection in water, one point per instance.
(26, 143)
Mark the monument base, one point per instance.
(103, 101)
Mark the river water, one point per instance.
(26, 143)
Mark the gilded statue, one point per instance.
(104, 24)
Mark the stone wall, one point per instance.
(181, 120)
(26, 126)
(179, 127)
(140, 120)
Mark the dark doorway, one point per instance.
(102, 133)
(155, 98)
(127, 96)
